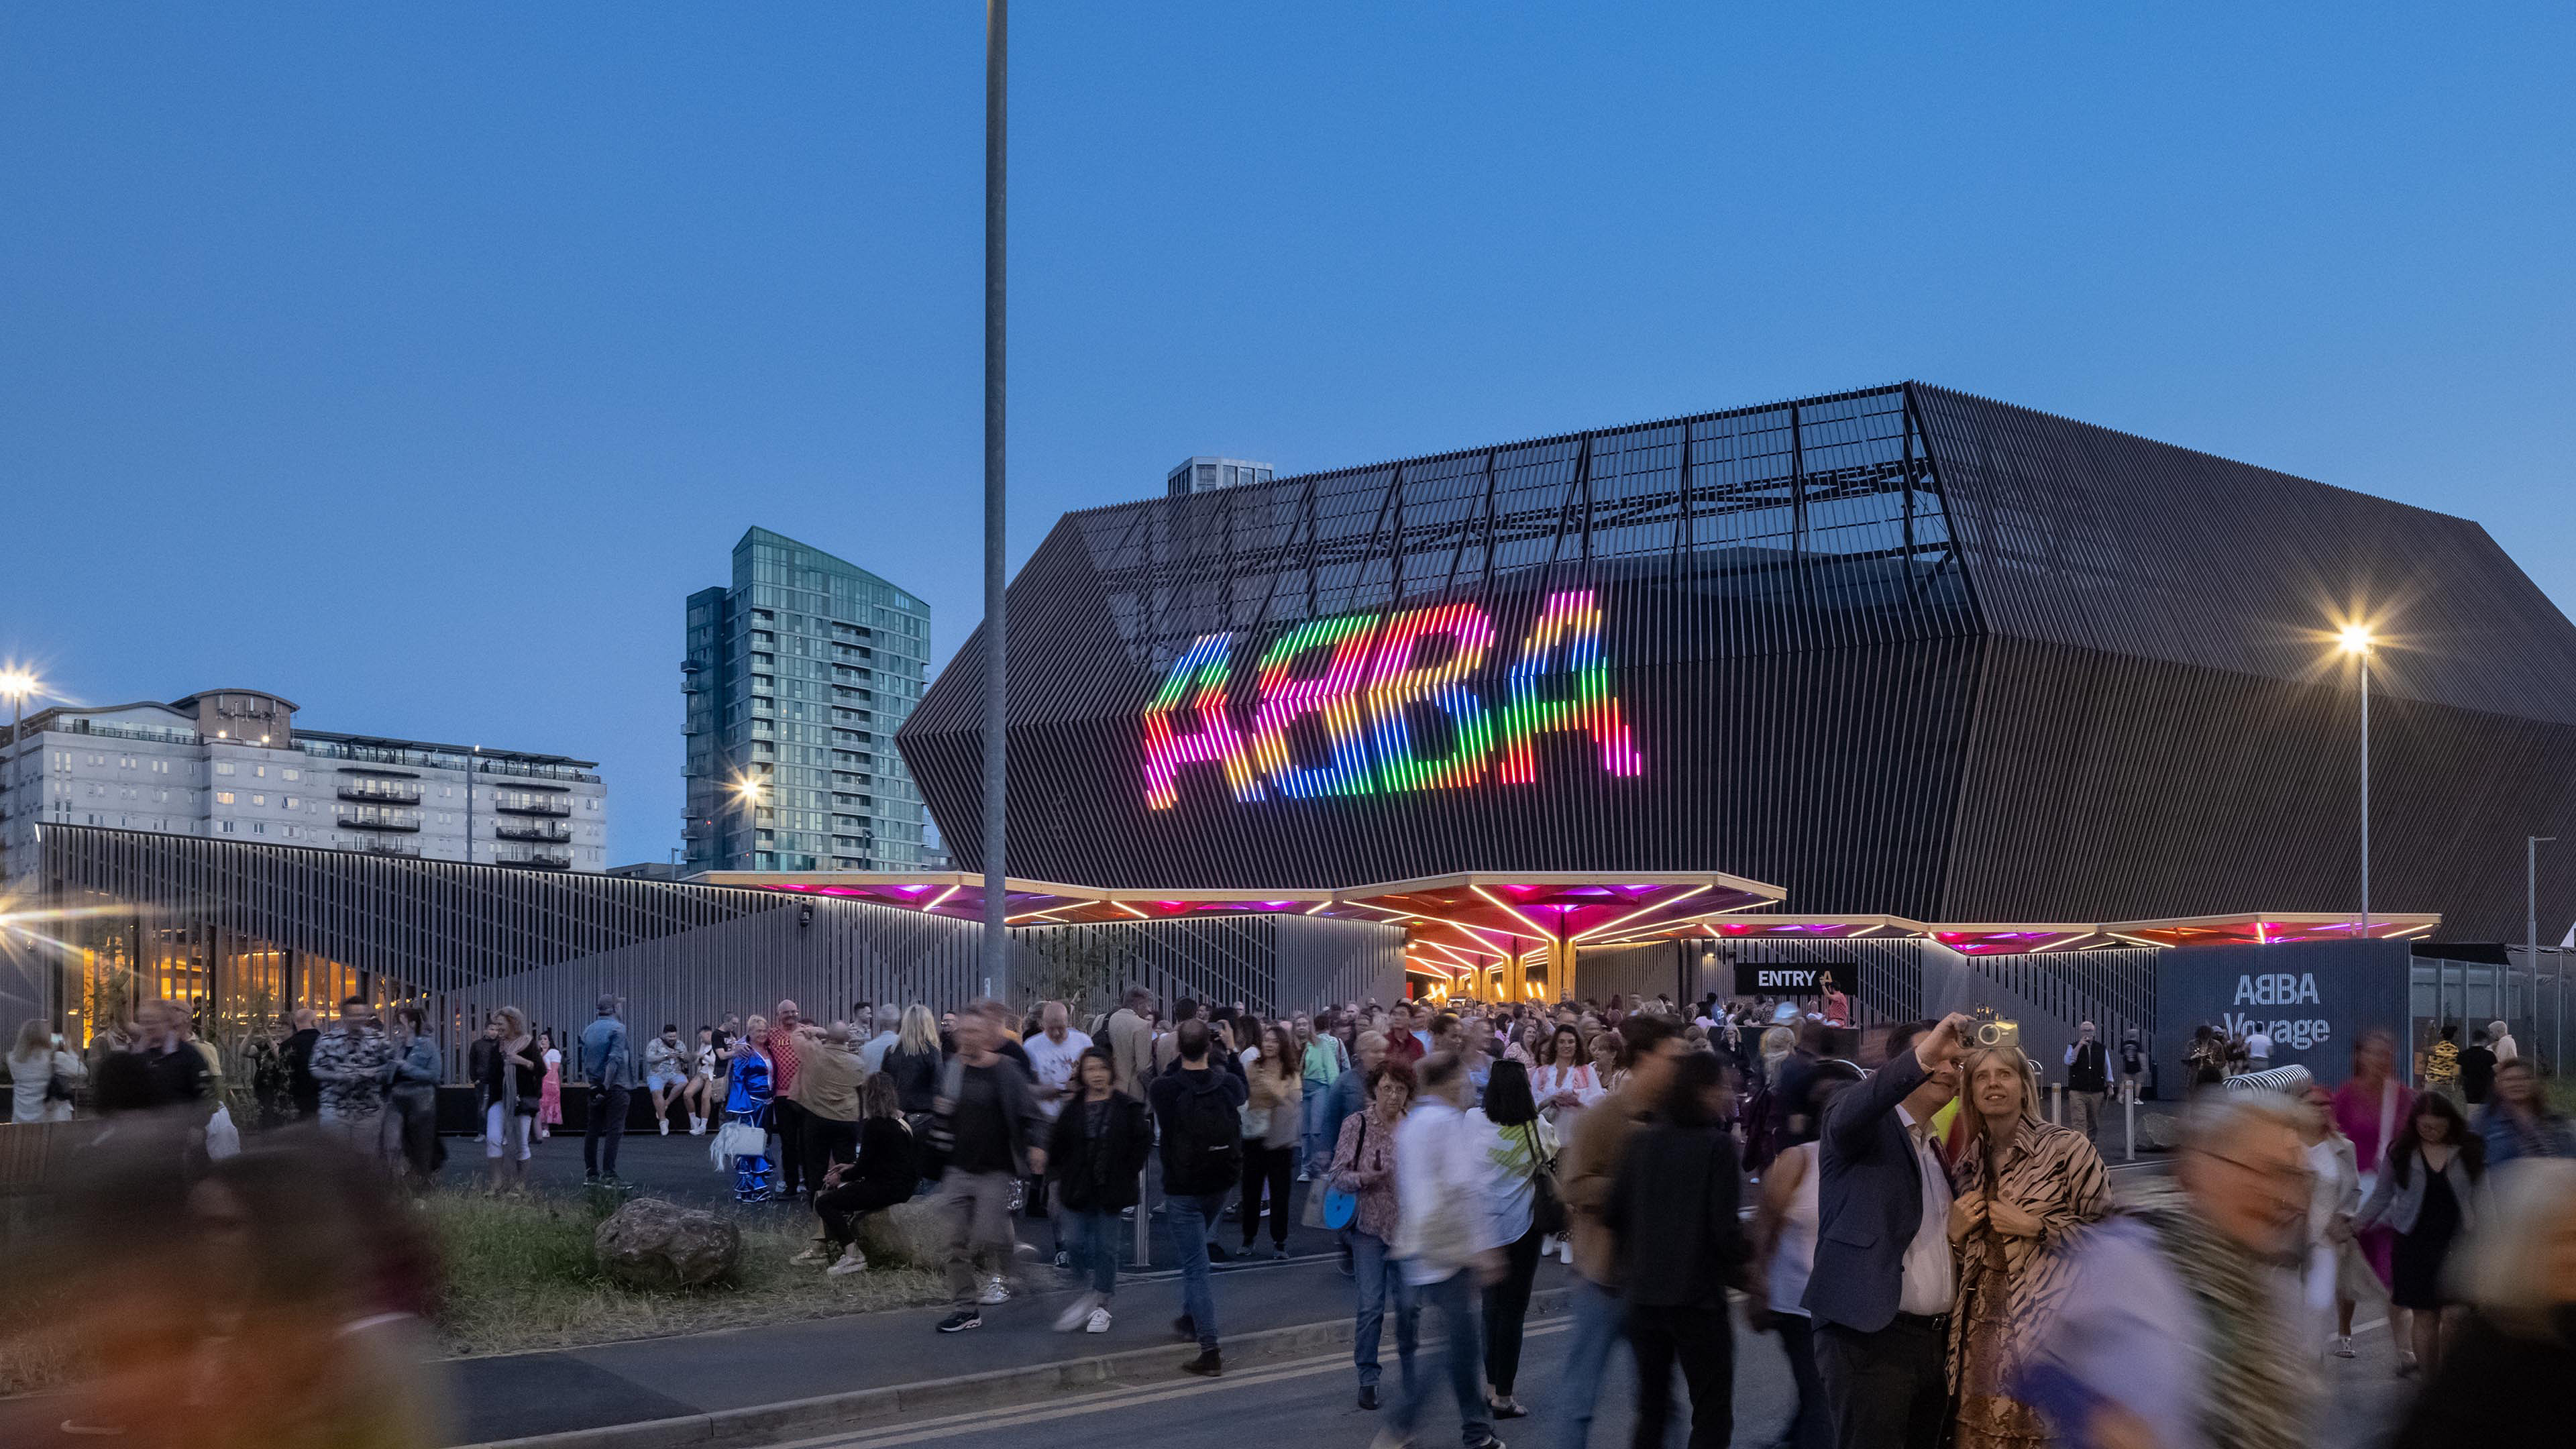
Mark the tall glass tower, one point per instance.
(795, 680)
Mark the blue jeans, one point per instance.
(1094, 1244)
(1461, 1314)
(1317, 1129)
(1600, 1321)
(1379, 1280)
(1190, 1217)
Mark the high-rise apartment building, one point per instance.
(795, 679)
(234, 764)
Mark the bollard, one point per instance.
(1144, 1227)
(2057, 1103)
(2131, 1108)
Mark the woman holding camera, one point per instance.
(2020, 1188)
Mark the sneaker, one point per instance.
(1186, 1328)
(1076, 1313)
(1368, 1397)
(994, 1292)
(665, 1125)
(2343, 1345)
(1389, 1439)
(852, 1261)
(961, 1320)
(812, 1257)
(1098, 1322)
(1218, 1254)
(1063, 1261)
(1208, 1365)
(1279, 1255)
(1305, 1177)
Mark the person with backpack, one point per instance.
(987, 1123)
(1528, 1210)
(1200, 1109)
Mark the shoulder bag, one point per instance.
(1547, 1198)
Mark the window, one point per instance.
(260, 770)
(292, 775)
(223, 767)
(125, 762)
(259, 799)
(224, 797)
(225, 826)
(290, 803)
(97, 760)
(160, 767)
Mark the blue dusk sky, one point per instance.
(414, 362)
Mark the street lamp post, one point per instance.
(997, 904)
(2356, 641)
(2531, 946)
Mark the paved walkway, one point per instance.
(515, 1395)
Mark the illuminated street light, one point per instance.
(2356, 640)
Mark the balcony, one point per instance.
(378, 817)
(545, 831)
(515, 802)
(536, 857)
(380, 792)
(391, 845)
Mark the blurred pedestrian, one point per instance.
(1673, 1211)
(608, 1068)
(1784, 1247)
(2177, 1322)
(43, 1074)
(2088, 1081)
(2429, 1196)
(1273, 1116)
(914, 1061)
(1445, 1242)
(510, 1097)
(2331, 1266)
(991, 1134)
(353, 1061)
(1527, 1205)
(2505, 1383)
(2371, 1107)
(1096, 1153)
(1649, 1047)
(411, 1103)
(550, 1086)
(2518, 1122)
(1364, 1166)
(1198, 1107)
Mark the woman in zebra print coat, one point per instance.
(2022, 1189)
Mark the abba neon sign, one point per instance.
(1368, 681)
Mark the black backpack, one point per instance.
(1203, 1141)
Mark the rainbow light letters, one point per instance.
(1206, 667)
(1572, 621)
(1370, 681)
(1333, 696)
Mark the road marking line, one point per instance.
(1123, 1396)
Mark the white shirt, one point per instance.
(2507, 1049)
(1051, 1063)
(2258, 1046)
(1793, 1257)
(1927, 1284)
(1440, 1165)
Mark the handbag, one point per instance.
(1547, 1199)
(1334, 1208)
(742, 1139)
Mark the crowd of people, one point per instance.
(1940, 1261)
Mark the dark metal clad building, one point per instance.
(1899, 650)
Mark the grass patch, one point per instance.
(516, 1274)
(519, 1276)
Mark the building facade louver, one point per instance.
(1898, 650)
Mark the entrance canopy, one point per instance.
(1459, 927)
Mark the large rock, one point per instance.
(654, 1243)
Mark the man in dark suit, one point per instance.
(1883, 1285)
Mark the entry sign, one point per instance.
(1752, 979)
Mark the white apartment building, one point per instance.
(232, 764)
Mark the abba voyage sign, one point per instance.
(1373, 704)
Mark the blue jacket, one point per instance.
(1869, 1201)
(607, 1058)
(2549, 1136)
